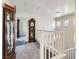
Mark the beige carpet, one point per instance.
(28, 51)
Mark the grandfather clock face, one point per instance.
(32, 24)
(32, 29)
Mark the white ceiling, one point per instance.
(46, 8)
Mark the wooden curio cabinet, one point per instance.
(8, 32)
(32, 30)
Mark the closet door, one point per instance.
(9, 34)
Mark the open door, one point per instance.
(18, 27)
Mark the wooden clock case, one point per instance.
(32, 30)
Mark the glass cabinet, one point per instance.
(8, 32)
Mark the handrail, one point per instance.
(49, 40)
(70, 48)
(46, 30)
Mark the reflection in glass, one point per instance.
(9, 32)
(31, 34)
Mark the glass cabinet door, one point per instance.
(10, 32)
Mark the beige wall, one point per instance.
(69, 31)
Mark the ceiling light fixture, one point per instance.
(57, 12)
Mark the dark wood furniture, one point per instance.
(8, 32)
(32, 30)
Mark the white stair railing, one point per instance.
(51, 44)
(70, 53)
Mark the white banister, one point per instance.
(70, 53)
(51, 42)
(42, 46)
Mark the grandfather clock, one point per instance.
(8, 32)
(32, 30)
